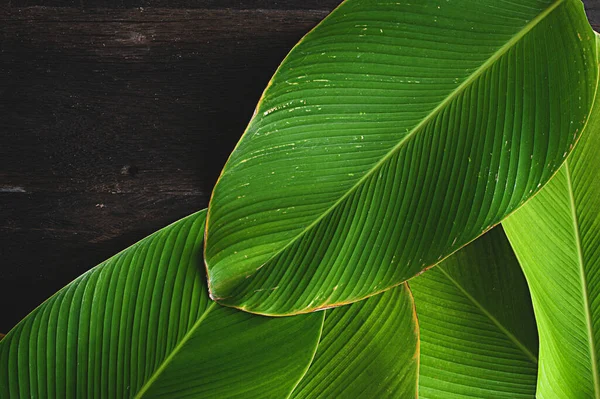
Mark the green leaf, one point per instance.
(141, 325)
(556, 237)
(478, 332)
(369, 349)
(392, 135)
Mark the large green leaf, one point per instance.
(369, 349)
(478, 332)
(393, 134)
(556, 237)
(141, 325)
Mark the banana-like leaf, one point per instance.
(392, 135)
(556, 237)
(369, 349)
(478, 332)
(142, 325)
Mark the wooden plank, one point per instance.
(592, 9)
(325, 5)
(116, 123)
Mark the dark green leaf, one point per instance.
(478, 332)
(141, 325)
(392, 135)
(369, 349)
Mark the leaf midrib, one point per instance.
(497, 323)
(174, 352)
(584, 285)
(454, 94)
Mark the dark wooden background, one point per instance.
(116, 118)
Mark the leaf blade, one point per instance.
(556, 237)
(377, 338)
(478, 332)
(314, 145)
(141, 324)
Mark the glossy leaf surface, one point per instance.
(478, 332)
(369, 349)
(556, 237)
(393, 134)
(141, 325)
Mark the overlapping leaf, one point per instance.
(141, 325)
(477, 328)
(368, 349)
(392, 135)
(556, 237)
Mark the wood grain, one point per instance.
(116, 122)
(116, 117)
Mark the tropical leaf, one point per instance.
(369, 349)
(141, 325)
(556, 237)
(392, 135)
(478, 332)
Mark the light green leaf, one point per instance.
(556, 237)
(141, 325)
(478, 332)
(369, 349)
(393, 134)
